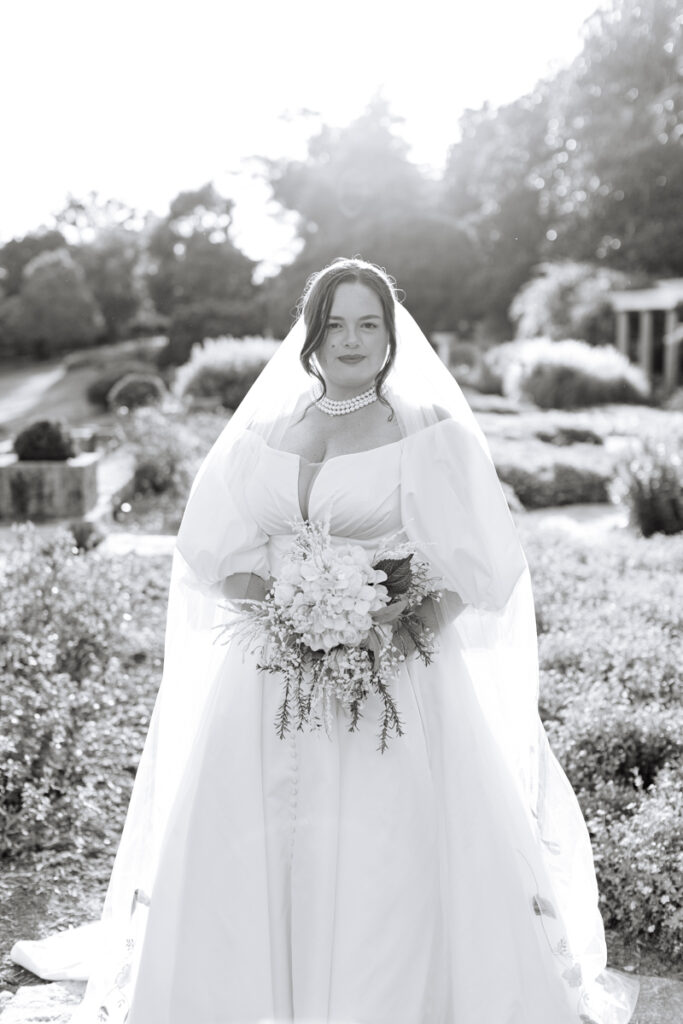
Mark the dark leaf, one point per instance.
(398, 573)
(390, 612)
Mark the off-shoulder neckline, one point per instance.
(346, 455)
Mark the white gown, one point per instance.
(448, 880)
(315, 879)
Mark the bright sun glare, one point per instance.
(139, 101)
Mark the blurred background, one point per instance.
(171, 175)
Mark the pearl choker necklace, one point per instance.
(336, 407)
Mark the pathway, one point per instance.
(21, 390)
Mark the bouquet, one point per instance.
(335, 624)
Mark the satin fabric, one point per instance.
(316, 879)
(449, 880)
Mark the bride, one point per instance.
(448, 879)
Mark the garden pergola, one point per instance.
(663, 297)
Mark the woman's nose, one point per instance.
(351, 338)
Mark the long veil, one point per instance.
(499, 645)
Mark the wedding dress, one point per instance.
(447, 880)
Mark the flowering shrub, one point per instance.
(223, 369)
(560, 482)
(497, 362)
(649, 481)
(568, 300)
(167, 452)
(572, 374)
(136, 389)
(639, 862)
(630, 742)
(79, 665)
(610, 621)
(561, 374)
(113, 371)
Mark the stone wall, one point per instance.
(47, 490)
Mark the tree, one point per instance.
(105, 237)
(490, 189)
(614, 182)
(191, 256)
(197, 275)
(110, 263)
(18, 252)
(55, 310)
(358, 193)
(568, 300)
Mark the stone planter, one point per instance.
(47, 490)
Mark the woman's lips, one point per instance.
(351, 359)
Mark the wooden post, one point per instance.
(671, 349)
(442, 342)
(645, 342)
(622, 332)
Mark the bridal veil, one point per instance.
(496, 635)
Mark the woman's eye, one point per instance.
(331, 327)
(370, 323)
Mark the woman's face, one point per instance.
(356, 340)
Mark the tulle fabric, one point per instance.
(453, 507)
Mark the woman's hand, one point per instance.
(402, 638)
(245, 586)
(449, 607)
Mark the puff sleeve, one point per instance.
(218, 535)
(454, 510)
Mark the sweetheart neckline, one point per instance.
(332, 458)
(318, 466)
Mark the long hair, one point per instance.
(316, 302)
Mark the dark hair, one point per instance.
(316, 302)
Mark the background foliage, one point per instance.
(582, 171)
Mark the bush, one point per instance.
(605, 737)
(147, 323)
(649, 481)
(99, 388)
(639, 862)
(555, 483)
(561, 374)
(86, 534)
(136, 389)
(167, 454)
(610, 620)
(565, 436)
(571, 375)
(192, 323)
(224, 369)
(44, 440)
(489, 377)
(80, 660)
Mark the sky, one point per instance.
(141, 99)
